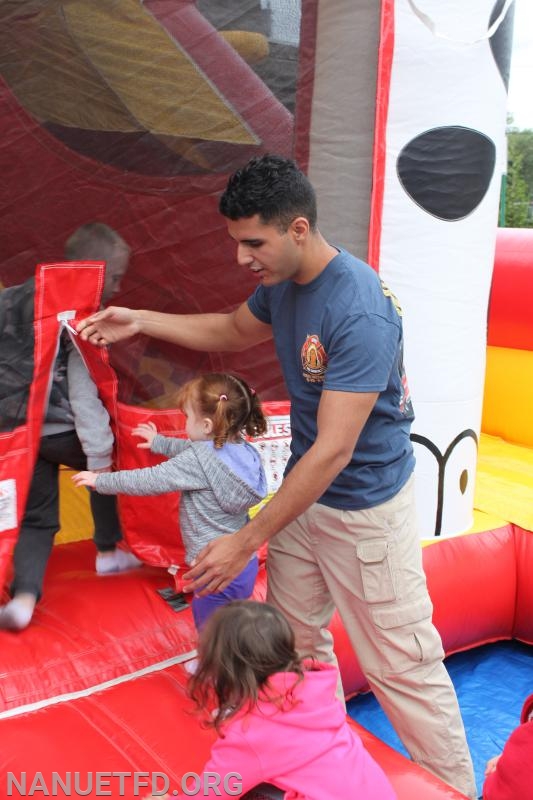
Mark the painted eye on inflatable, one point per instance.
(447, 171)
(501, 40)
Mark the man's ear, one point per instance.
(300, 228)
(208, 425)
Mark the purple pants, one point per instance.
(239, 589)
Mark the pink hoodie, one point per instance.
(308, 749)
(511, 779)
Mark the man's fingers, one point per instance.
(87, 324)
(201, 588)
(89, 330)
(203, 579)
(97, 339)
(91, 335)
(195, 572)
(214, 568)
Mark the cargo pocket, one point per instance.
(401, 616)
(408, 634)
(376, 571)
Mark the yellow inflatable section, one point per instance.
(504, 483)
(508, 396)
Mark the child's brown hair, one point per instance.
(241, 645)
(228, 401)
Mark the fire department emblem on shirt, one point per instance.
(314, 359)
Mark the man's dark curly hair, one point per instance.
(272, 187)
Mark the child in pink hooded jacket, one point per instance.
(278, 719)
(508, 776)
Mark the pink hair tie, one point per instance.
(223, 397)
(252, 392)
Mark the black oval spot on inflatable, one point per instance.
(447, 171)
(502, 40)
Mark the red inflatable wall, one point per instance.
(510, 316)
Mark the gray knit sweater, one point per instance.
(217, 486)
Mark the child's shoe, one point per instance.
(16, 615)
(114, 561)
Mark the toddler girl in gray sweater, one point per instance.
(219, 474)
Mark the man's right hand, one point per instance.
(110, 325)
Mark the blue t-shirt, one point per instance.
(343, 332)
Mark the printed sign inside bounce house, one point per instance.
(274, 447)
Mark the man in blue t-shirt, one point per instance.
(341, 528)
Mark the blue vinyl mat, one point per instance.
(491, 682)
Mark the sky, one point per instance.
(520, 98)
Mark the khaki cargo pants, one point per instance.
(369, 565)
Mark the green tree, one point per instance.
(517, 193)
(522, 142)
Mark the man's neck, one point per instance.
(317, 257)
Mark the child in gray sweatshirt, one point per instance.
(219, 474)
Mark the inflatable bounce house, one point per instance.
(135, 113)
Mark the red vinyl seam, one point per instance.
(385, 55)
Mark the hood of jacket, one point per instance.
(228, 481)
(306, 698)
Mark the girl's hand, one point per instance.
(491, 765)
(85, 479)
(147, 431)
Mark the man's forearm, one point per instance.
(194, 331)
(305, 483)
(341, 418)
